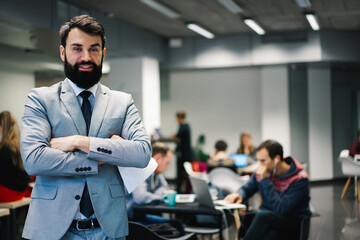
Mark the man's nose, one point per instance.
(86, 56)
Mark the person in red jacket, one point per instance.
(355, 147)
(13, 178)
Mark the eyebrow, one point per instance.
(80, 45)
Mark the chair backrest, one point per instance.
(138, 231)
(344, 153)
(349, 167)
(189, 170)
(226, 179)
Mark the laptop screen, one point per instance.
(201, 190)
(240, 159)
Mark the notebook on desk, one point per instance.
(203, 196)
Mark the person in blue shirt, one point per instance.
(153, 189)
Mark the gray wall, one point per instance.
(345, 87)
(220, 103)
(298, 112)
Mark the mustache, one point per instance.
(85, 63)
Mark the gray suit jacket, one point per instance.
(54, 112)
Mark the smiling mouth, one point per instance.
(86, 68)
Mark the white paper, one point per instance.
(133, 177)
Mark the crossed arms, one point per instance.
(49, 146)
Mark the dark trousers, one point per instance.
(181, 176)
(267, 225)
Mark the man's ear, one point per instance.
(104, 51)
(62, 53)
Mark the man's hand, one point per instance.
(116, 137)
(262, 171)
(71, 143)
(233, 198)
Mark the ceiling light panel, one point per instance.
(161, 8)
(313, 21)
(254, 26)
(231, 6)
(303, 3)
(200, 30)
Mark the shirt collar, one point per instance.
(78, 90)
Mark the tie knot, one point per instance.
(85, 94)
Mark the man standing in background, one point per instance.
(183, 150)
(74, 136)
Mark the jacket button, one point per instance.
(89, 168)
(77, 197)
(77, 169)
(81, 169)
(99, 149)
(110, 152)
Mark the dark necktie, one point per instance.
(86, 207)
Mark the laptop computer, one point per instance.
(203, 196)
(240, 159)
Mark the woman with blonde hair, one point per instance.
(246, 144)
(13, 178)
(247, 147)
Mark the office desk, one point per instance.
(5, 223)
(12, 206)
(180, 208)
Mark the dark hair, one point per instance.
(220, 145)
(358, 133)
(181, 114)
(159, 147)
(274, 148)
(86, 24)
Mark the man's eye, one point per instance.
(77, 49)
(94, 50)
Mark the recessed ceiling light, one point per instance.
(254, 26)
(313, 21)
(161, 8)
(200, 30)
(231, 6)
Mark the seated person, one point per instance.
(355, 147)
(247, 147)
(14, 181)
(284, 188)
(154, 188)
(199, 154)
(220, 158)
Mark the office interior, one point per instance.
(298, 86)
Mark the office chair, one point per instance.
(138, 231)
(350, 168)
(227, 180)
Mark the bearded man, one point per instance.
(74, 136)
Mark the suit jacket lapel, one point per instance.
(97, 117)
(70, 102)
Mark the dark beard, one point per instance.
(83, 79)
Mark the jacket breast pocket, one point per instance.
(47, 192)
(116, 191)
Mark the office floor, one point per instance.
(340, 219)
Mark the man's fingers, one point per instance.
(116, 137)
